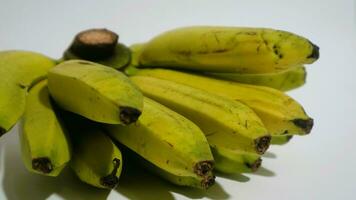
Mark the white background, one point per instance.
(321, 165)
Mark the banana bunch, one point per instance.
(185, 104)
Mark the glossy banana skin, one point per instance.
(96, 160)
(284, 81)
(20, 70)
(44, 143)
(175, 146)
(95, 91)
(228, 49)
(281, 114)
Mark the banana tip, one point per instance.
(129, 115)
(255, 165)
(204, 167)
(315, 51)
(42, 164)
(111, 180)
(2, 131)
(262, 144)
(305, 124)
(208, 181)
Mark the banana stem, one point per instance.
(94, 44)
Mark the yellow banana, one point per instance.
(20, 70)
(285, 80)
(228, 49)
(172, 144)
(217, 117)
(96, 159)
(281, 114)
(95, 91)
(44, 144)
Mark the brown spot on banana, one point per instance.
(111, 180)
(42, 164)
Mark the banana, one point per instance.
(44, 144)
(96, 159)
(228, 49)
(281, 114)
(95, 91)
(19, 70)
(281, 139)
(217, 117)
(175, 146)
(285, 80)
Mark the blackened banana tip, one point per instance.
(129, 115)
(2, 131)
(262, 144)
(305, 124)
(111, 180)
(203, 168)
(42, 164)
(208, 182)
(315, 51)
(289, 137)
(255, 166)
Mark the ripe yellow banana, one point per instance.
(175, 146)
(95, 91)
(19, 70)
(96, 159)
(218, 117)
(285, 80)
(44, 144)
(281, 114)
(228, 49)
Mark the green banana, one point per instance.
(281, 114)
(20, 70)
(44, 144)
(120, 58)
(217, 117)
(285, 80)
(228, 49)
(174, 145)
(96, 159)
(95, 91)
(281, 139)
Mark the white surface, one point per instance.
(319, 166)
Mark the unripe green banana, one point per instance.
(44, 144)
(217, 117)
(96, 159)
(95, 91)
(281, 139)
(285, 80)
(19, 70)
(173, 144)
(228, 49)
(281, 114)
